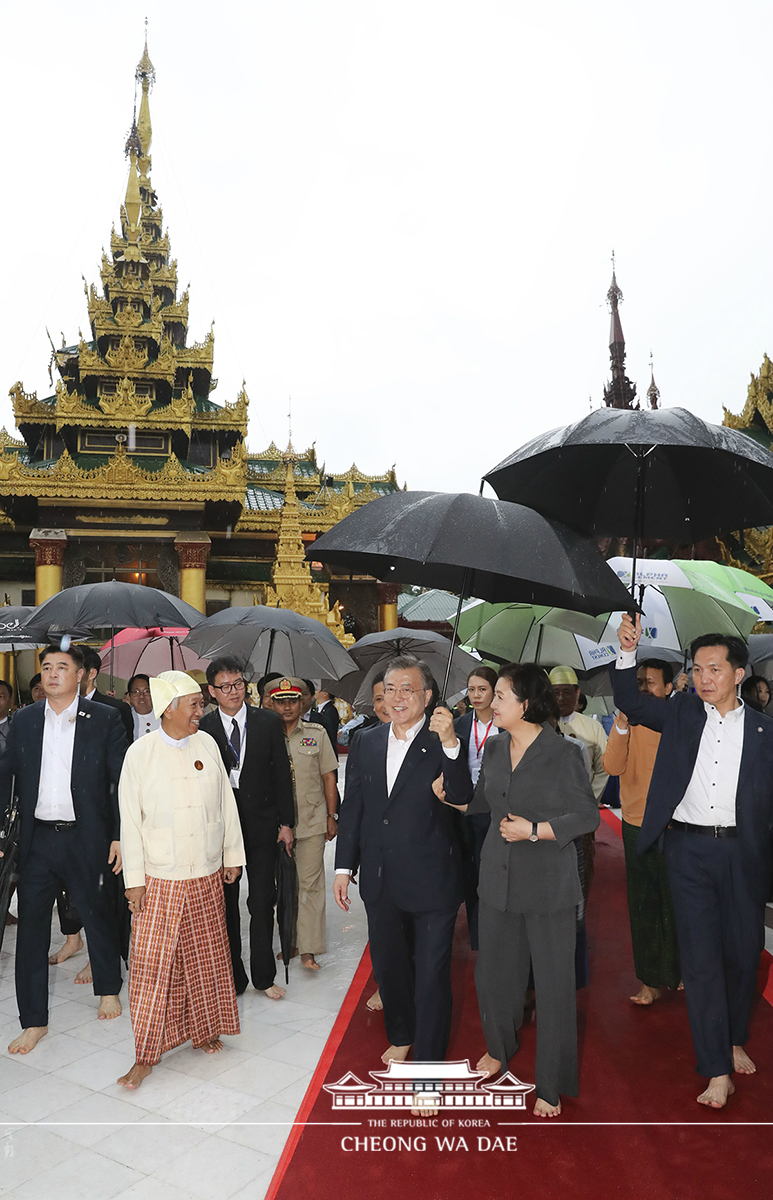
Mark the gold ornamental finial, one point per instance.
(145, 75)
(145, 69)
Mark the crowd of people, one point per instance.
(139, 816)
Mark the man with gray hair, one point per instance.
(402, 837)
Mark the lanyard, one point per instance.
(479, 747)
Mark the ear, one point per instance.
(669, 688)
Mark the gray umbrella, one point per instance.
(272, 639)
(372, 653)
(112, 605)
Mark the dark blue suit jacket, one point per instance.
(98, 753)
(680, 721)
(406, 837)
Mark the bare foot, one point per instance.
(680, 986)
(84, 976)
(543, 1109)
(425, 1104)
(73, 944)
(274, 992)
(375, 1003)
(396, 1053)
(27, 1039)
(646, 995)
(741, 1061)
(133, 1078)
(492, 1066)
(716, 1094)
(109, 1007)
(309, 962)
(211, 1047)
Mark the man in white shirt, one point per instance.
(180, 838)
(402, 838)
(710, 804)
(66, 757)
(145, 720)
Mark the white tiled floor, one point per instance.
(202, 1126)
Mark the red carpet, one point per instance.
(635, 1130)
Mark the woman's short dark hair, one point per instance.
(533, 688)
(749, 693)
(736, 650)
(483, 672)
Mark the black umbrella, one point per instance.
(663, 474)
(272, 638)
(9, 845)
(372, 653)
(286, 879)
(475, 547)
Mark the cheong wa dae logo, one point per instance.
(442, 1085)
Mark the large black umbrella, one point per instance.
(475, 547)
(9, 846)
(663, 474)
(112, 605)
(272, 639)
(286, 879)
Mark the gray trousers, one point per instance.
(508, 943)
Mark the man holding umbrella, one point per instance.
(710, 805)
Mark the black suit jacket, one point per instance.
(265, 796)
(680, 722)
(98, 753)
(329, 719)
(125, 711)
(407, 836)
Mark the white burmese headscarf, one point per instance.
(167, 686)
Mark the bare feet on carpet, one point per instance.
(395, 1053)
(73, 944)
(309, 962)
(27, 1039)
(133, 1078)
(211, 1047)
(274, 992)
(543, 1109)
(492, 1066)
(716, 1094)
(425, 1104)
(109, 1007)
(646, 995)
(85, 976)
(374, 1003)
(741, 1061)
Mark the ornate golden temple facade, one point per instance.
(752, 549)
(131, 471)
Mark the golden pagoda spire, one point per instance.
(133, 201)
(145, 75)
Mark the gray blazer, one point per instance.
(551, 784)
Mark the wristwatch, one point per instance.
(534, 836)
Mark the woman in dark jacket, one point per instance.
(536, 788)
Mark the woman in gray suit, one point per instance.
(536, 788)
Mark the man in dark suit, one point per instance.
(66, 756)
(392, 824)
(92, 665)
(252, 746)
(474, 728)
(710, 804)
(326, 714)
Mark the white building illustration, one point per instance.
(445, 1084)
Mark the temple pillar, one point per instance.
(49, 546)
(193, 550)
(387, 606)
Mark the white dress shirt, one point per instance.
(54, 789)
(475, 749)
(241, 720)
(710, 795)
(397, 748)
(144, 723)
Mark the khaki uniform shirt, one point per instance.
(591, 733)
(312, 756)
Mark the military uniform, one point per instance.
(312, 756)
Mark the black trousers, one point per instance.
(473, 832)
(411, 955)
(56, 861)
(261, 898)
(721, 931)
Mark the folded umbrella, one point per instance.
(286, 880)
(9, 845)
(272, 639)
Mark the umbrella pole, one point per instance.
(270, 649)
(444, 688)
(112, 656)
(638, 525)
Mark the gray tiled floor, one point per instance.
(202, 1126)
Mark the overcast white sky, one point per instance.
(402, 213)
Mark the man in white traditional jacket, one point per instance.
(180, 837)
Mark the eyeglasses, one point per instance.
(226, 688)
(404, 693)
